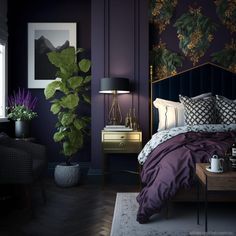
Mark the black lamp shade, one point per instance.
(109, 85)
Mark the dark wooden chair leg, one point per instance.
(43, 192)
(27, 188)
(28, 196)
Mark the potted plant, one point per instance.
(20, 109)
(66, 94)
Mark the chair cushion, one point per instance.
(39, 168)
(4, 138)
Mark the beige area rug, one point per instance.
(182, 220)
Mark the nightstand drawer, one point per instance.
(121, 142)
(116, 136)
(123, 146)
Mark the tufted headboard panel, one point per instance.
(202, 79)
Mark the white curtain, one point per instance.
(3, 21)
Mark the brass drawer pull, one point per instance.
(122, 136)
(121, 144)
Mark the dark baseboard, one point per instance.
(95, 176)
(116, 177)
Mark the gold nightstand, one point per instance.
(120, 142)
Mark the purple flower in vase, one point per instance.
(21, 105)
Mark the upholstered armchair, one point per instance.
(22, 162)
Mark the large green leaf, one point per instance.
(62, 59)
(67, 119)
(87, 79)
(84, 65)
(60, 115)
(80, 50)
(79, 124)
(51, 88)
(70, 101)
(55, 58)
(86, 98)
(64, 88)
(55, 108)
(76, 138)
(68, 55)
(75, 81)
(68, 149)
(86, 119)
(58, 136)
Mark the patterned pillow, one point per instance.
(198, 112)
(171, 114)
(226, 110)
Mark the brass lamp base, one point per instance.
(115, 116)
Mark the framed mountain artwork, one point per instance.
(42, 39)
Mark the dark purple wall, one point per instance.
(19, 14)
(119, 48)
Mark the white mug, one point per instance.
(216, 163)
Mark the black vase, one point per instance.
(22, 129)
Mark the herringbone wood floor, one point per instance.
(79, 211)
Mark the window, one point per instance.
(3, 81)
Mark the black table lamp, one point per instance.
(114, 86)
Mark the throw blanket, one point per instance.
(171, 166)
(164, 135)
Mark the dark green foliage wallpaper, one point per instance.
(185, 34)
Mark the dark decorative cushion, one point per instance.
(4, 138)
(198, 112)
(226, 110)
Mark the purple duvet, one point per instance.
(171, 166)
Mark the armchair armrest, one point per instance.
(15, 166)
(37, 151)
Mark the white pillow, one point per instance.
(171, 114)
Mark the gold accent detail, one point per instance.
(194, 42)
(121, 142)
(192, 68)
(160, 7)
(150, 98)
(111, 136)
(151, 72)
(115, 116)
(228, 18)
(232, 45)
(163, 70)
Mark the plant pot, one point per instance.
(67, 176)
(22, 129)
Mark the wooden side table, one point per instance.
(119, 142)
(213, 182)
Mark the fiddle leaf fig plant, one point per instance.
(66, 94)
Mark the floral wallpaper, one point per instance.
(161, 13)
(185, 34)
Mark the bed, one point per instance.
(168, 159)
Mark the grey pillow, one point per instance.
(226, 110)
(198, 111)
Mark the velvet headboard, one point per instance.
(205, 78)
